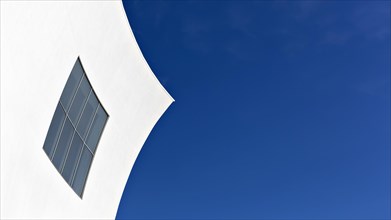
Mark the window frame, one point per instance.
(56, 130)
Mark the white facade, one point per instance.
(40, 42)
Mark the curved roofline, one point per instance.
(142, 55)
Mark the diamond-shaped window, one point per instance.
(75, 130)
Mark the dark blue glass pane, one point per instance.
(72, 158)
(82, 171)
(87, 115)
(71, 85)
(79, 101)
(96, 128)
(54, 131)
(75, 130)
(63, 145)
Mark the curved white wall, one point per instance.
(40, 41)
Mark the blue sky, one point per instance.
(282, 110)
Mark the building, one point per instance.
(78, 101)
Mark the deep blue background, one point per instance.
(282, 110)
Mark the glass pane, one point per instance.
(71, 85)
(72, 158)
(87, 115)
(80, 99)
(63, 145)
(54, 131)
(96, 128)
(82, 171)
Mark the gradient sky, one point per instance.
(282, 110)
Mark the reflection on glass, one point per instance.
(88, 115)
(82, 171)
(63, 144)
(71, 86)
(96, 128)
(72, 158)
(80, 99)
(54, 131)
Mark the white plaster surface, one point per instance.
(40, 42)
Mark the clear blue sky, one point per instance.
(282, 110)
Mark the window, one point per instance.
(75, 130)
